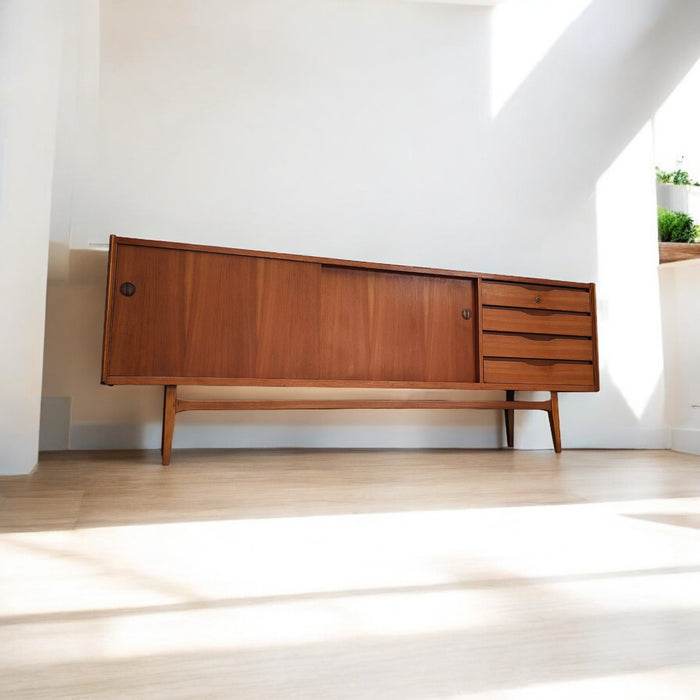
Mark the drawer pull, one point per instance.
(537, 300)
(466, 314)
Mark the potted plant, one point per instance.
(673, 188)
(677, 230)
(678, 234)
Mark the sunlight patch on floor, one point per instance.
(644, 685)
(128, 591)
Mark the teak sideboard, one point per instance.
(182, 314)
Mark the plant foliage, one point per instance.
(676, 177)
(675, 226)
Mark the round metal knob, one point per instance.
(537, 300)
(127, 289)
(466, 314)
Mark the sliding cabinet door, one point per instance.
(179, 313)
(386, 326)
(192, 314)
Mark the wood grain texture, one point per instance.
(509, 415)
(479, 329)
(211, 315)
(169, 411)
(544, 347)
(548, 374)
(320, 383)
(594, 339)
(544, 322)
(396, 327)
(353, 404)
(92, 489)
(677, 252)
(358, 574)
(109, 310)
(554, 422)
(287, 320)
(191, 315)
(536, 296)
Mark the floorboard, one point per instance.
(352, 574)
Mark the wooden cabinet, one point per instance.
(187, 314)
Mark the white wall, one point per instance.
(680, 286)
(367, 130)
(677, 138)
(676, 133)
(29, 88)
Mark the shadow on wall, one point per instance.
(575, 113)
(579, 123)
(72, 367)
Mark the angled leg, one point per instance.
(553, 414)
(169, 399)
(510, 418)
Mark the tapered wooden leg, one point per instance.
(553, 414)
(510, 418)
(169, 398)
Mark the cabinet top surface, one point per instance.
(118, 240)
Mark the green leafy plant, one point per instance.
(675, 177)
(675, 227)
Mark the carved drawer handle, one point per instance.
(127, 289)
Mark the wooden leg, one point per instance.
(510, 418)
(169, 398)
(553, 414)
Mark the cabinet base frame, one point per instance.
(172, 405)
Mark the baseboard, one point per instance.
(292, 433)
(382, 429)
(686, 440)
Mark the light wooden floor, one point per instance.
(352, 574)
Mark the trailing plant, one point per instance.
(675, 227)
(675, 177)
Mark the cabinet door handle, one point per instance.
(127, 289)
(466, 314)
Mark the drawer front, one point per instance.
(540, 372)
(544, 322)
(543, 347)
(535, 296)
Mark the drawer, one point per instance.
(543, 322)
(545, 347)
(535, 296)
(543, 373)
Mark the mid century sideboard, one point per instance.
(183, 314)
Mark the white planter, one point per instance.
(694, 203)
(673, 197)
